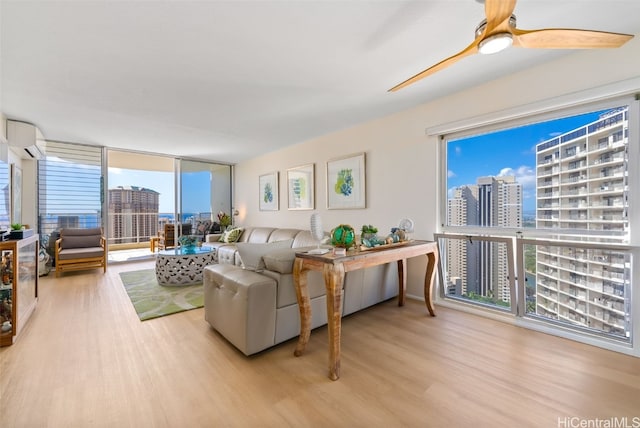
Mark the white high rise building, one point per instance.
(462, 211)
(481, 268)
(582, 184)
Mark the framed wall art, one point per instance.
(300, 187)
(346, 182)
(269, 192)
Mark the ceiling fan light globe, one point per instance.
(496, 43)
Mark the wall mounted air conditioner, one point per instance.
(26, 138)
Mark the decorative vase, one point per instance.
(369, 236)
(343, 236)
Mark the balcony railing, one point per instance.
(133, 229)
(140, 227)
(575, 286)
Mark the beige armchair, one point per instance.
(79, 249)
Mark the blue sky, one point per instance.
(194, 199)
(508, 152)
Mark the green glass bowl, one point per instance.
(343, 236)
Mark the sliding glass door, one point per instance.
(141, 189)
(150, 194)
(205, 190)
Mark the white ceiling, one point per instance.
(229, 80)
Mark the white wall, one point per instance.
(28, 189)
(220, 190)
(402, 165)
(29, 193)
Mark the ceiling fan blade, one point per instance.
(561, 38)
(498, 13)
(469, 50)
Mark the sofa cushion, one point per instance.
(80, 241)
(252, 254)
(203, 227)
(282, 234)
(280, 261)
(80, 253)
(231, 235)
(259, 235)
(80, 231)
(305, 239)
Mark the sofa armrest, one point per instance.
(280, 261)
(227, 254)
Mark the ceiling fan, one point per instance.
(498, 31)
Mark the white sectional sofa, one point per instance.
(257, 309)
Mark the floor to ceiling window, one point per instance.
(205, 190)
(132, 202)
(69, 189)
(147, 192)
(537, 220)
(141, 198)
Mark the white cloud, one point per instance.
(525, 175)
(451, 174)
(458, 150)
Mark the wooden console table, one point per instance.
(333, 269)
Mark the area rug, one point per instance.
(152, 300)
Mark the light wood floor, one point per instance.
(86, 360)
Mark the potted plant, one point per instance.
(369, 231)
(224, 219)
(18, 231)
(369, 236)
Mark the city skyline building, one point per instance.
(581, 180)
(133, 213)
(462, 210)
(481, 268)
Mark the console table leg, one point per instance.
(334, 280)
(402, 281)
(304, 305)
(429, 278)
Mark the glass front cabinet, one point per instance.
(18, 286)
